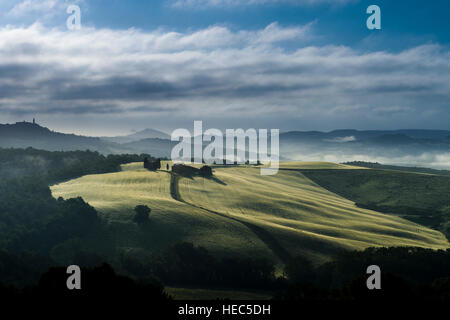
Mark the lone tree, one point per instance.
(206, 171)
(142, 214)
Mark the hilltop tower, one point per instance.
(34, 121)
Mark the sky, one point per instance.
(284, 64)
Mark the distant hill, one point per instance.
(392, 139)
(140, 135)
(363, 135)
(376, 165)
(159, 147)
(27, 134)
(422, 148)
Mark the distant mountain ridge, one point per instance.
(429, 148)
(367, 134)
(408, 147)
(30, 134)
(140, 135)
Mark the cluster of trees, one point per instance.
(99, 283)
(184, 170)
(206, 171)
(152, 165)
(30, 218)
(183, 264)
(55, 166)
(33, 225)
(407, 273)
(189, 171)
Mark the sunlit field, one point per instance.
(238, 211)
(115, 195)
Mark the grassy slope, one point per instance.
(298, 214)
(302, 216)
(374, 165)
(116, 194)
(419, 197)
(296, 165)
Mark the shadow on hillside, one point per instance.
(192, 172)
(215, 179)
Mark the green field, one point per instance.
(296, 165)
(115, 195)
(241, 212)
(419, 197)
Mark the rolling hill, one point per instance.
(241, 212)
(27, 134)
(140, 135)
(115, 195)
(416, 194)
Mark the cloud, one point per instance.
(342, 139)
(231, 78)
(437, 160)
(26, 12)
(201, 4)
(33, 6)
